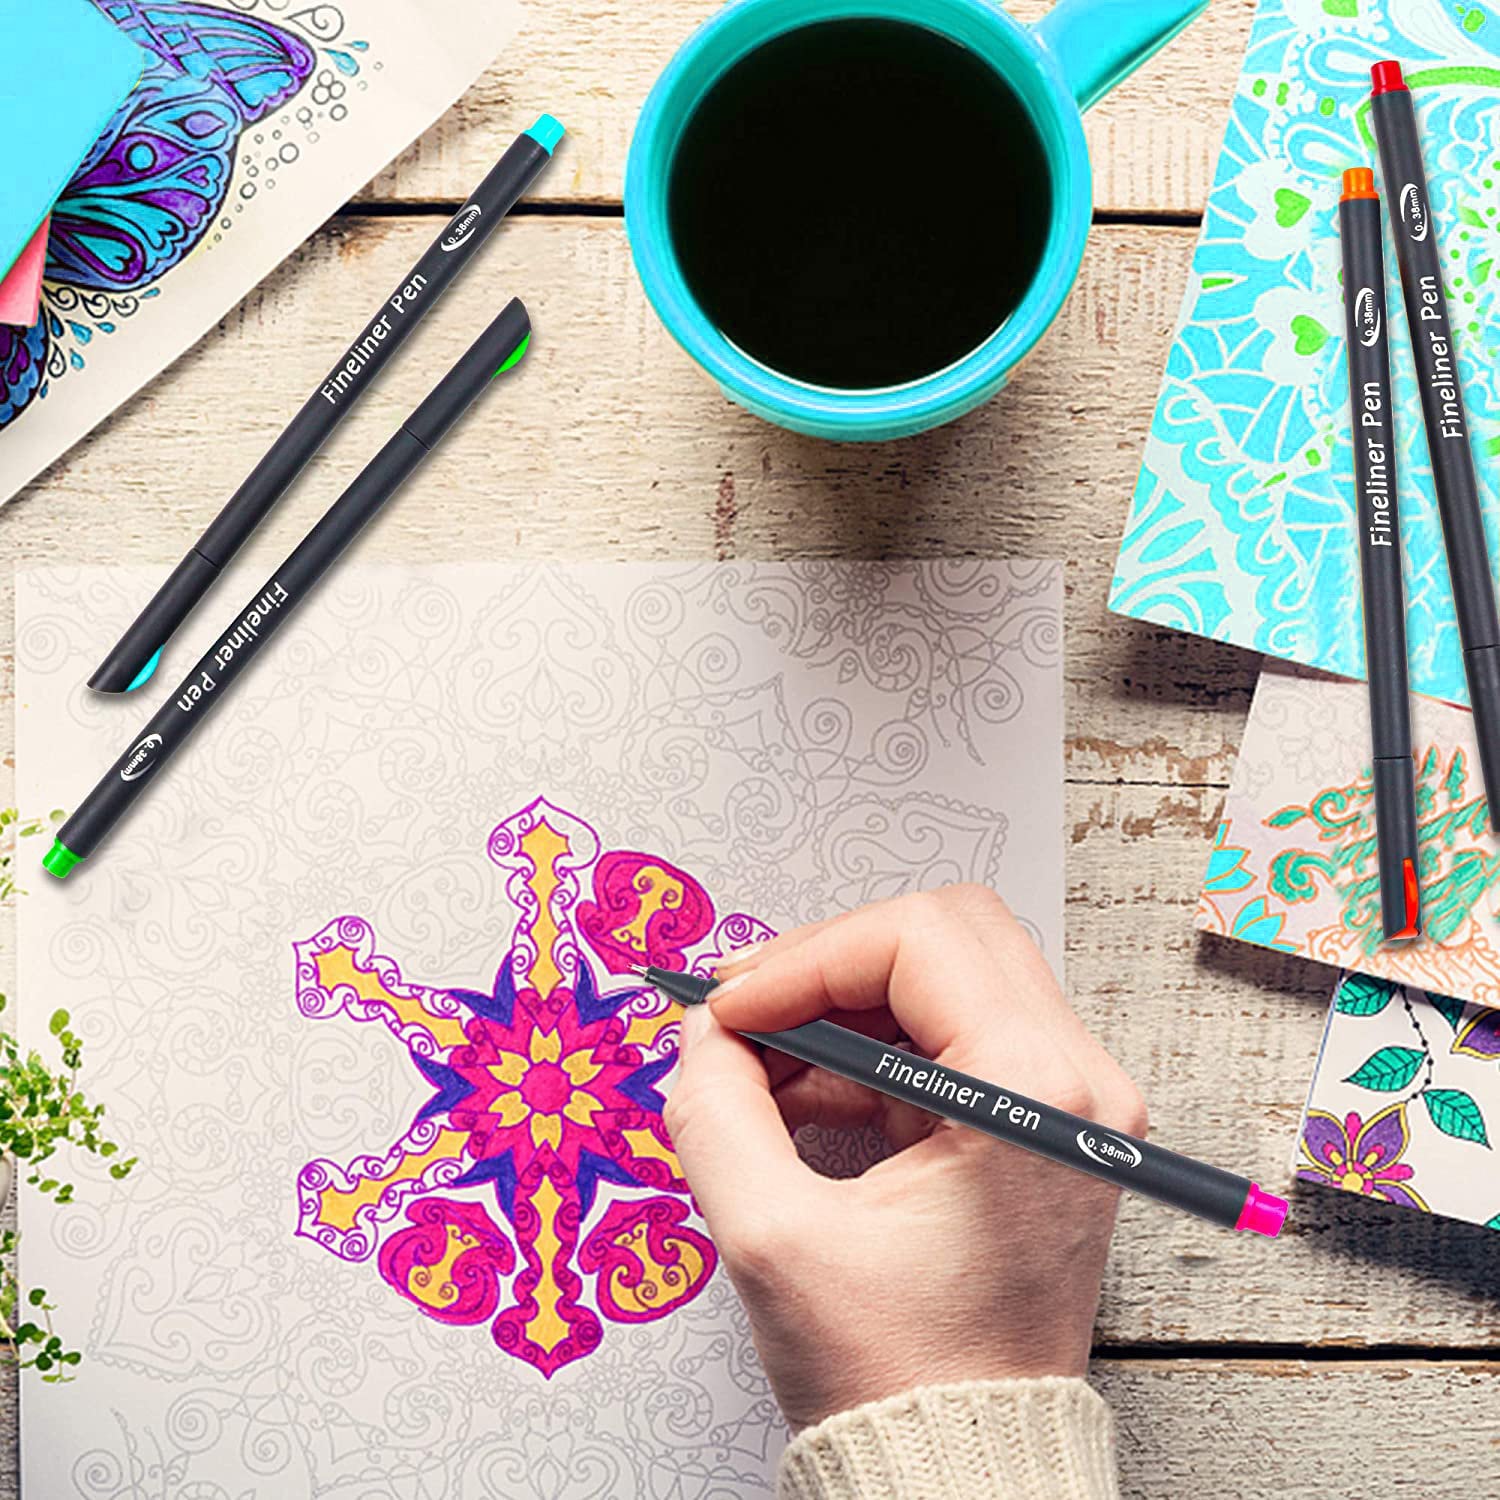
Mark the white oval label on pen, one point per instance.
(1414, 212)
(1108, 1150)
(1367, 317)
(462, 227)
(142, 758)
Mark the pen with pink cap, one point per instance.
(1134, 1165)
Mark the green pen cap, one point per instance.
(515, 358)
(61, 860)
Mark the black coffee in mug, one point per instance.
(860, 203)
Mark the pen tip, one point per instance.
(640, 969)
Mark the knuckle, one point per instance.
(1120, 1102)
(971, 897)
(678, 1110)
(758, 1250)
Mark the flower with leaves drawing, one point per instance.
(1360, 1156)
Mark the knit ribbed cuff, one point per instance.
(1049, 1439)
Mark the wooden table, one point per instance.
(1356, 1358)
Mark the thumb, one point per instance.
(735, 1150)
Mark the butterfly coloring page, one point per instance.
(253, 121)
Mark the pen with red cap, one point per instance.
(1379, 525)
(1453, 474)
(1084, 1145)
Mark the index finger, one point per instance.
(922, 956)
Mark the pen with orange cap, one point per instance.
(1379, 523)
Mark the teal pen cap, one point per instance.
(547, 132)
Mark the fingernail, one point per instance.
(738, 956)
(732, 983)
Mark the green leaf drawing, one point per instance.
(1451, 1010)
(1359, 995)
(1455, 1113)
(1286, 817)
(1290, 206)
(1389, 1069)
(1310, 335)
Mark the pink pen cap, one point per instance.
(1263, 1213)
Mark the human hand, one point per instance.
(958, 1258)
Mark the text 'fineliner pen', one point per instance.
(1134, 1165)
(499, 348)
(1379, 525)
(1419, 254)
(135, 656)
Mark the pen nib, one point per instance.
(640, 969)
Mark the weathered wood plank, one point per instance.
(1248, 1430)
(1153, 141)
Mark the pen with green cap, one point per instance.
(499, 348)
(134, 657)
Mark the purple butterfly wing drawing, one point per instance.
(152, 185)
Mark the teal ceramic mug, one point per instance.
(1057, 68)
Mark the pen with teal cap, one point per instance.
(499, 348)
(137, 653)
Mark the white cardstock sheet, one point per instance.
(353, 983)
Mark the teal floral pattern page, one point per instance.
(1242, 524)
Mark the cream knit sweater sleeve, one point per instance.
(1049, 1439)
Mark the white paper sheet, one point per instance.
(263, 964)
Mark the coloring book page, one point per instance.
(354, 982)
(254, 122)
(1242, 527)
(1406, 1093)
(1295, 862)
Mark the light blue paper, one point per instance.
(1242, 526)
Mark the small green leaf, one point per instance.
(1360, 995)
(1389, 1069)
(1285, 818)
(1291, 205)
(58, 1022)
(1455, 1113)
(1310, 335)
(1451, 1010)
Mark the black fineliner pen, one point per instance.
(499, 348)
(137, 653)
(1379, 525)
(1134, 1165)
(1453, 473)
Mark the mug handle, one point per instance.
(1099, 43)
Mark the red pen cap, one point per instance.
(1359, 182)
(1387, 78)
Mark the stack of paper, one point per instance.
(1242, 530)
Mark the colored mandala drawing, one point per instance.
(536, 1191)
(1360, 1156)
(1242, 524)
(157, 182)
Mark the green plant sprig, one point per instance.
(41, 1111)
